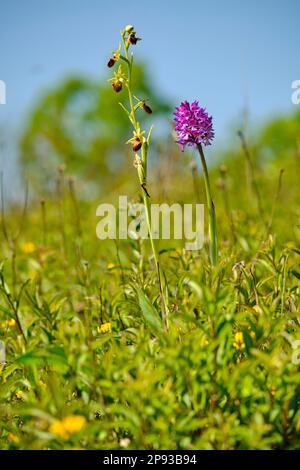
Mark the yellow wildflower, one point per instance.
(12, 438)
(33, 274)
(252, 334)
(19, 394)
(57, 428)
(110, 265)
(8, 323)
(28, 247)
(52, 307)
(239, 341)
(104, 328)
(177, 253)
(74, 423)
(67, 426)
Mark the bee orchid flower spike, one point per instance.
(140, 139)
(194, 128)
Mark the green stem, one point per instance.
(253, 180)
(142, 174)
(156, 261)
(211, 212)
(129, 65)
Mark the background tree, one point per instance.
(79, 124)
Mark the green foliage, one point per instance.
(281, 136)
(81, 322)
(149, 312)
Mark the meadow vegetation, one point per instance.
(89, 364)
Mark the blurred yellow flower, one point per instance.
(177, 253)
(110, 265)
(12, 438)
(19, 394)
(28, 247)
(104, 328)
(57, 428)
(33, 274)
(239, 341)
(74, 423)
(69, 425)
(8, 323)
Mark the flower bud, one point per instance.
(117, 85)
(129, 28)
(223, 169)
(136, 144)
(221, 183)
(137, 162)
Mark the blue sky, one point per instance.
(220, 52)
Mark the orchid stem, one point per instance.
(142, 174)
(164, 307)
(212, 223)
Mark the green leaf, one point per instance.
(51, 356)
(296, 274)
(149, 312)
